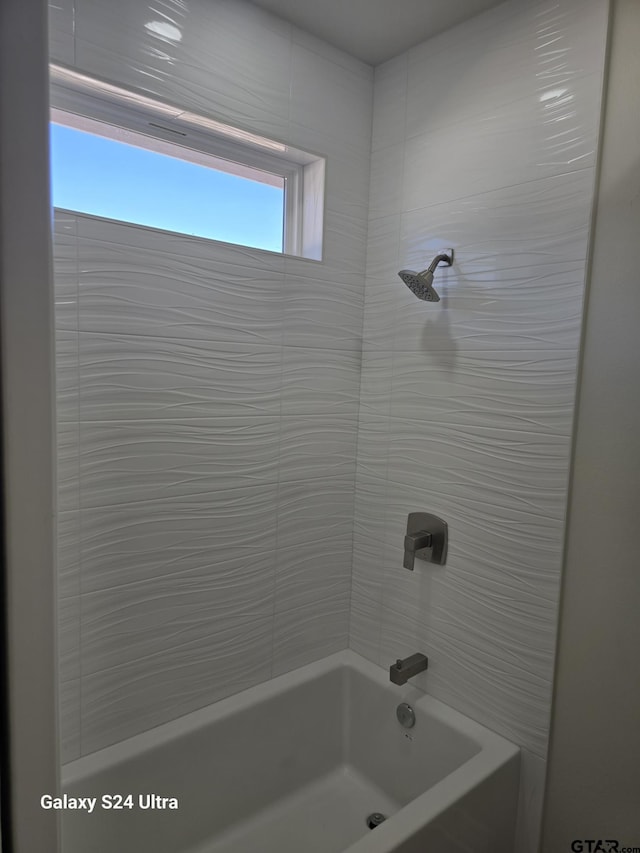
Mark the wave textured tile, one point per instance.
(485, 141)
(207, 393)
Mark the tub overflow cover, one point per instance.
(406, 715)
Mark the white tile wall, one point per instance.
(61, 30)
(207, 393)
(484, 140)
(139, 693)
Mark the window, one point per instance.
(133, 182)
(124, 156)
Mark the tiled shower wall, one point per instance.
(207, 394)
(484, 141)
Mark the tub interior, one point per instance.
(298, 770)
(402, 762)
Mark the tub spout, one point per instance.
(404, 669)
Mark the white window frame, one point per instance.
(96, 106)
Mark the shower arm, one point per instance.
(440, 259)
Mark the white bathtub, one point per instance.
(296, 765)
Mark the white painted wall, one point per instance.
(484, 140)
(207, 393)
(593, 788)
(27, 481)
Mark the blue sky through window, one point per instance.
(104, 177)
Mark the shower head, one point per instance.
(421, 283)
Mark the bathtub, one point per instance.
(296, 765)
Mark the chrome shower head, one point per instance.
(421, 283)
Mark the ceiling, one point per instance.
(375, 30)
